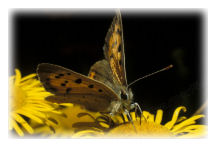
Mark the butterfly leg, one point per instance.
(133, 106)
(136, 106)
(111, 114)
(129, 118)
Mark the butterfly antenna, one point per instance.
(166, 68)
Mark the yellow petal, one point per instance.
(29, 77)
(39, 108)
(171, 123)
(17, 128)
(43, 129)
(190, 128)
(34, 112)
(20, 120)
(199, 131)
(10, 124)
(39, 105)
(50, 123)
(30, 86)
(117, 119)
(186, 122)
(29, 83)
(11, 81)
(104, 124)
(181, 118)
(147, 115)
(37, 96)
(125, 117)
(133, 116)
(18, 77)
(87, 133)
(39, 89)
(29, 115)
(11, 78)
(159, 116)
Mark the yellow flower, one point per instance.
(30, 113)
(73, 119)
(117, 126)
(27, 103)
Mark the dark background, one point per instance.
(152, 41)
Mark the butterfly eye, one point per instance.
(124, 96)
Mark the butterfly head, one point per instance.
(126, 94)
(126, 98)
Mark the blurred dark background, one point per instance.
(152, 41)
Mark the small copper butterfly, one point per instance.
(105, 89)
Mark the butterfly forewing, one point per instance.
(114, 50)
(89, 101)
(106, 84)
(72, 87)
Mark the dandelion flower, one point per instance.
(27, 103)
(151, 126)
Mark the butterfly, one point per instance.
(105, 89)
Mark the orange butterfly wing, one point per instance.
(71, 87)
(114, 50)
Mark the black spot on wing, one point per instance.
(78, 81)
(119, 48)
(68, 90)
(53, 89)
(61, 75)
(100, 90)
(63, 84)
(120, 62)
(57, 77)
(91, 86)
(118, 31)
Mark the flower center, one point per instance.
(147, 129)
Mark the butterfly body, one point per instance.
(101, 71)
(105, 88)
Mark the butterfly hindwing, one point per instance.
(101, 71)
(69, 86)
(114, 50)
